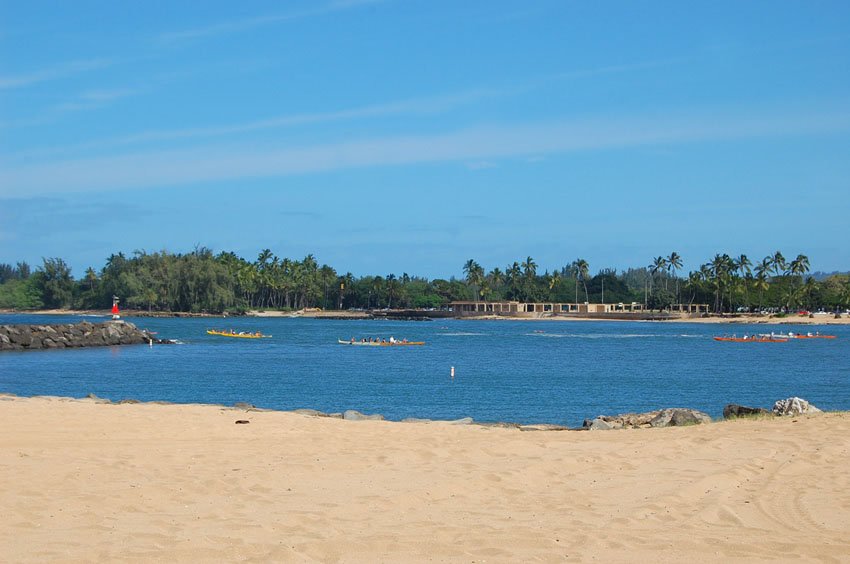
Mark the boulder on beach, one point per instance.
(733, 410)
(672, 417)
(794, 406)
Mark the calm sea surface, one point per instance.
(520, 371)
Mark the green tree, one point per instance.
(55, 283)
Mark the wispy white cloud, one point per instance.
(52, 73)
(411, 107)
(246, 24)
(222, 163)
(93, 99)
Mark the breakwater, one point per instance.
(72, 335)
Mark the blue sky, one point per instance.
(408, 136)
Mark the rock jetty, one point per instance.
(73, 335)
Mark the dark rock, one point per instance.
(734, 410)
(683, 417)
(242, 421)
(599, 424)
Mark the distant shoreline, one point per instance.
(741, 319)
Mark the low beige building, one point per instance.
(555, 308)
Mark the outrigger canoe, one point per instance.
(751, 340)
(381, 344)
(796, 336)
(238, 335)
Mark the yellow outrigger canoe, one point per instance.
(256, 335)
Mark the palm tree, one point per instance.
(264, 257)
(778, 262)
(514, 271)
(800, 265)
(377, 286)
(529, 268)
(474, 276)
(693, 282)
(469, 267)
(582, 271)
(721, 271)
(809, 287)
(554, 280)
(659, 264)
(392, 286)
(91, 277)
(496, 278)
(742, 264)
(674, 263)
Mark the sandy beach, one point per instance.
(83, 481)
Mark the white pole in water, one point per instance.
(453, 372)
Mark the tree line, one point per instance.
(203, 281)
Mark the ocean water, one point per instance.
(519, 371)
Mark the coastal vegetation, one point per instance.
(203, 281)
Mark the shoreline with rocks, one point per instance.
(668, 417)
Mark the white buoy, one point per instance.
(453, 372)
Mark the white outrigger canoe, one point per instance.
(381, 343)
